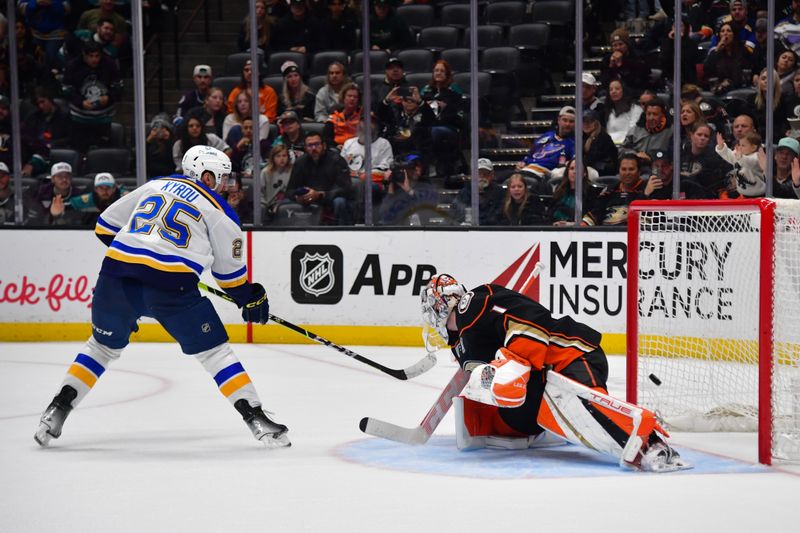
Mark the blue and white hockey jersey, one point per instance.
(168, 231)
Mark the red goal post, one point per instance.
(712, 311)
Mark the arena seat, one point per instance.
(456, 15)
(377, 61)
(606, 181)
(500, 60)
(503, 64)
(315, 83)
(458, 58)
(235, 62)
(227, 83)
(489, 36)
(114, 160)
(314, 127)
(117, 135)
(276, 82)
(558, 13)
(375, 79)
(416, 16)
(532, 41)
(416, 60)
(505, 14)
(533, 36)
(67, 155)
(484, 82)
(419, 79)
(276, 59)
(742, 93)
(292, 214)
(322, 60)
(438, 38)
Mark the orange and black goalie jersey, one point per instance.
(490, 317)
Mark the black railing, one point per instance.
(155, 45)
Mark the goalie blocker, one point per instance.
(507, 340)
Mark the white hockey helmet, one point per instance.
(199, 159)
(438, 299)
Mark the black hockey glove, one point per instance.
(257, 309)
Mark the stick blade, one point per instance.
(388, 431)
(421, 366)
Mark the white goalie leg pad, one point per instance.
(465, 441)
(563, 413)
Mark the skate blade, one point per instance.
(272, 441)
(42, 437)
(672, 467)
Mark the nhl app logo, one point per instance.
(317, 274)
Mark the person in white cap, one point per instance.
(589, 85)
(202, 77)
(490, 197)
(91, 204)
(54, 196)
(786, 176)
(554, 148)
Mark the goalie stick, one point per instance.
(423, 432)
(420, 367)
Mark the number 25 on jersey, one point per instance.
(171, 229)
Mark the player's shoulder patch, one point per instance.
(464, 302)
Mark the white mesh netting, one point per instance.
(698, 320)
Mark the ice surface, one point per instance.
(155, 447)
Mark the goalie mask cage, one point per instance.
(713, 317)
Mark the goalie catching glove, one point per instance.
(257, 309)
(503, 382)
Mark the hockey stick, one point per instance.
(420, 367)
(423, 432)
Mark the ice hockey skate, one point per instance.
(660, 457)
(265, 430)
(54, 416)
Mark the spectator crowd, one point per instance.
(312, 121)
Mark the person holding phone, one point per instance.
(407, 122)
(321, 178)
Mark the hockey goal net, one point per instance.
(713, 317)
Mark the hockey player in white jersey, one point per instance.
(160, 238)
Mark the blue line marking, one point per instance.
(440, 456)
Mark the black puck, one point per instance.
(654, 379)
